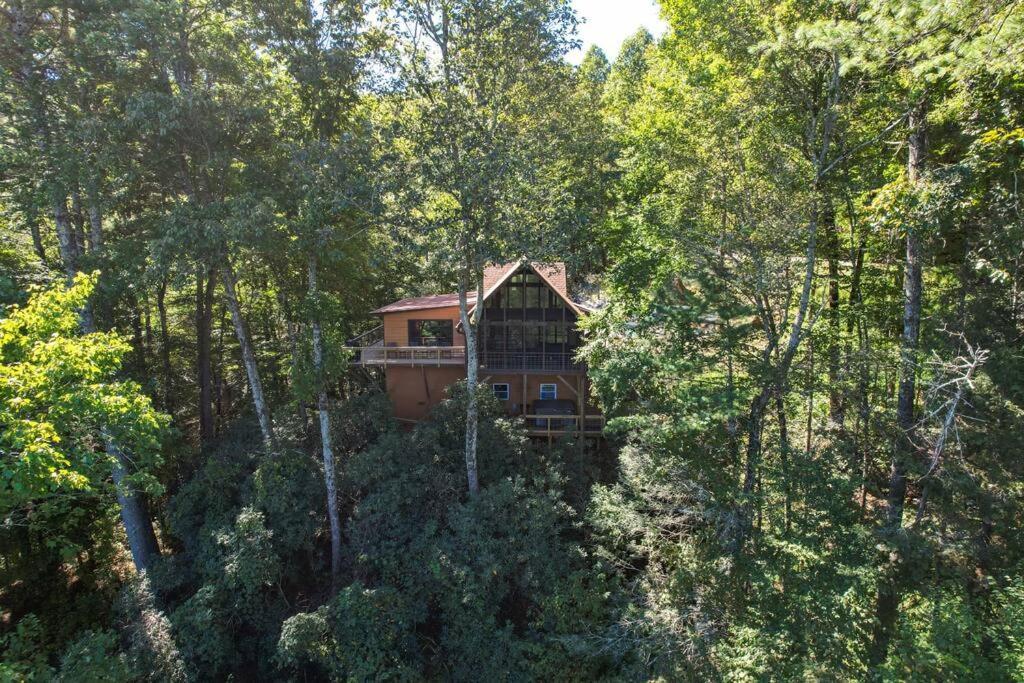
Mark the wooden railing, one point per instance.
(456, 355)
(559, 425)
(374, 337)
(411, 355)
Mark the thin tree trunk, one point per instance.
(780, 409)
(334, 516)
(219, 381)
(835, 394)
(864, 418)
(292, 329)
(469, 330)
(65, 236)
(888, 598)
(37, 237)
(205, 285)
(809, 432)
(248, 355)
(165, 342)
(77, 222)
(138, 337)
(95, 217)
(780, 375)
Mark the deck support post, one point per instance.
(524, 394)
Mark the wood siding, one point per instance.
(396, 325)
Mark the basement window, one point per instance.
(548, 392)
(501, 391)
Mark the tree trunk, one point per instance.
(248, 355)
(165, 342)
(205, 285)
(95, 224)
(37, 237)
(134, 513)
(327, 448)
(292, 329)
(77, 222)
(887, 603)
(779, 377)
(65, 236)
(835, 394)
(469, 330)
(780, 411)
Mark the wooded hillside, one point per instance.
(803, 224)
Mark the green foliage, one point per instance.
(59, 396)
(95, 657)
(359, 635)
(24, 653)
(1007, 626)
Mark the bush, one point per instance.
(95, 657)
(360, 635)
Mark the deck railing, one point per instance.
(411, 355)
(559, 425)
(380, 354)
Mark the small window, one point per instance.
(501, 391)
(548, 392)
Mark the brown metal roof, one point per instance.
(553, 273)
(424, 302)
(494, 275)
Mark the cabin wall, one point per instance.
(396, 325)
(415, 390)
(516, 402)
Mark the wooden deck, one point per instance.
(437, 356)
(410, 355)
(556, 426)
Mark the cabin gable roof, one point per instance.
(553, 275)
(495, 275)
(423, 303)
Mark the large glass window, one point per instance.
(501, 391)
(534, 295)
(431, 332)
(515, 296)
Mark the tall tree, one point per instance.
(487, 78)
(329, 201)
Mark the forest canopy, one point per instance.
(798, 228)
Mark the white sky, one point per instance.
(608, 22)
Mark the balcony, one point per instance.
(505, 361)
(410, 355)
(555, 426)
(371, 349)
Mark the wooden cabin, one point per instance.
(527, 342)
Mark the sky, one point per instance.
(607, 23)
